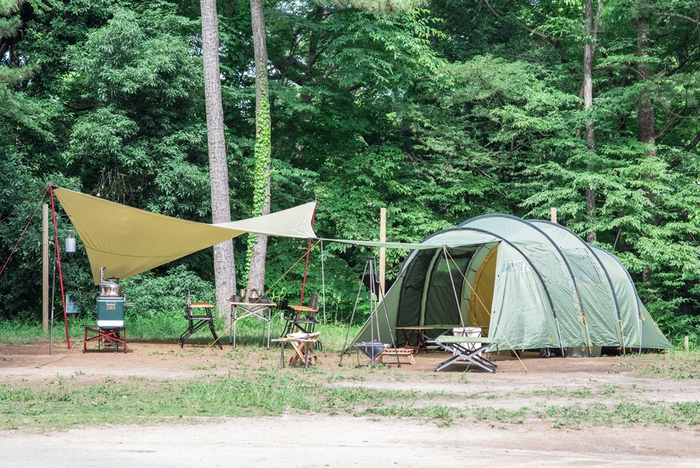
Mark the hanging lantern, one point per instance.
(70, 241)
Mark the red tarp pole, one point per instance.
(306, 266)
(60, 270)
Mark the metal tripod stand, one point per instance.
(373, 348)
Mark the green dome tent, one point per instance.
(529, 284)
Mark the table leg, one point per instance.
(235, 319)
(281, 355)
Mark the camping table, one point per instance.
(241, 310)
(100, 334)
(466, 348)
(418, 332)
(284, 341)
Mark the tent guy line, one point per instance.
(517, 355)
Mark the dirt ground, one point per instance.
(311, 440)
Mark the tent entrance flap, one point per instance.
(481, 298)
(444, 285)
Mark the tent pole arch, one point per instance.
(556, 247)
(614, 294)
(534, 268)
(602, 267)
(629, 278)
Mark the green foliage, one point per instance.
(261, 170)
(438, 113)
(155, 294)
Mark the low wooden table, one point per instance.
(398, 352)
(284, 341)
(417, 332)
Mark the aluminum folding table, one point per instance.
(259, 310)
(470, 349)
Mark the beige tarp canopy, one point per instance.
(127, 241)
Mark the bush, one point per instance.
(153, 294)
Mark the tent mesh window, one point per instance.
(409, 312)
(446, 279)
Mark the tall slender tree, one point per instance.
(224, 268)
(588, 52)
(645, 109)
(257, 244)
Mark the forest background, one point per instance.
(438, 110)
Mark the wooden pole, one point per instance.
(382, 250)
(45, 267)
(553, 214)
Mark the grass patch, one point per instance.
(65, 403)
(440, 414)
(683, 366)
(501, 415)
(626, 413)
(168, 326)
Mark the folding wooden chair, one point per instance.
(196, 322)
(303, 350)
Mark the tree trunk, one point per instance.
(588, 52)
(645, 111)
(224, 268)
(257, 244)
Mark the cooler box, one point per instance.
(110, 311)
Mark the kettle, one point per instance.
(110, 288)
(253, 296)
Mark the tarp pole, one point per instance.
(45, 266)
(323, 298)
(53, 303)
(306, 266)
(382, 250)
(60, 269)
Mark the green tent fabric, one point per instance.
(529, 284)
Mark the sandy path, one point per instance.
(324, 441)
